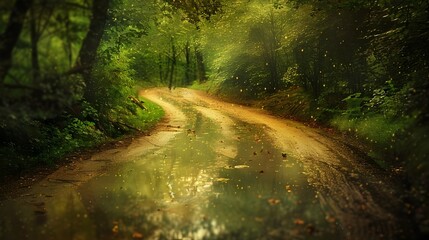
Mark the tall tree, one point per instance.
(35, 36)
(173, 63)
(196, 11)
(10, 36)
(88, 51)
(188, 69)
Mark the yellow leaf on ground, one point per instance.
(137, 235)
(241, 166)
(224, 180)
(273, 201)
(298, 221)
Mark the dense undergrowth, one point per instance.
(46, 143)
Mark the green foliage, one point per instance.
(57, 142)
(169, 52)
(43, 115)
(354, 104)
(380, 119)
(148, 118)
(291, 77)
(292, 103)
(248, 59)
(197, 11)
(376, 129)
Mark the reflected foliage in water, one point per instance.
(203, 185)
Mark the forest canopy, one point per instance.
(69, 70)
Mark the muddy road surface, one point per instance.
(213, 170)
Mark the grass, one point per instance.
(375, 129)
(382, 133)
(147, 118)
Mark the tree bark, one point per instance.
(188, 64)
(34, 48)
(10, 36)
(201, 68)
(68, 43)
(88, 51)
(173, 64)
(161, 79)
(167, 69)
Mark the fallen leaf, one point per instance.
(115, 229)
(241, 166)
(273, 201)
(330, 219)
(298, 221)
(137, 235)
(224, 180)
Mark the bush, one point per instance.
(290, 103)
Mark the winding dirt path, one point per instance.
(361, 196)
(355, 195)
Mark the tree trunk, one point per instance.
(273, 45)
(173, 64)
(88, 51)
(10, 36)
(188, 64)
(167, 69)
(160, 67)
(201, 68)
(35, 72)
(68, 43)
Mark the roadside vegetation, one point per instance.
(66, 81)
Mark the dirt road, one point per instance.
(213, 170)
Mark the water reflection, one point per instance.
(176, 193)
(62, 217)
(186, 190)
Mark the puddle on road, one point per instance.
(190, 190)
(187, 190)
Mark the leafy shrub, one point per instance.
(291, 103)
(291, 77)
(77, 134)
